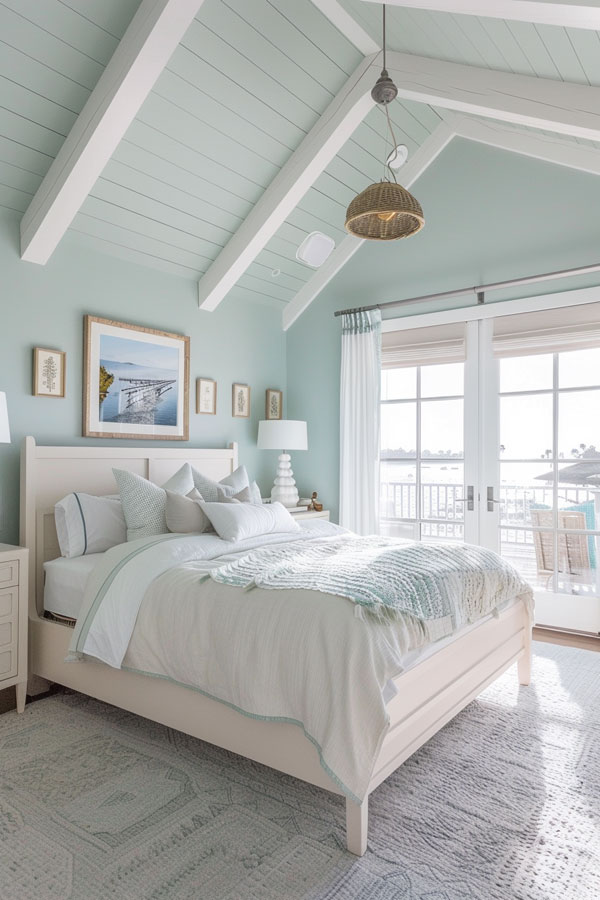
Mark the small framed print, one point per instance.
(274, 404)
(49, 368)
(240, 401)
(206, 396)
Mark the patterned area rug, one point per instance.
(502, 804)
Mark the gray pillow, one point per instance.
(249, 494)
(185, 515)
(144, 503)
(230, 485)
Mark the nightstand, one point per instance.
(310, 514)
(13, 620)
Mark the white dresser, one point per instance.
(13, 620)
(310, 514)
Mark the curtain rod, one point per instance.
(478, 291)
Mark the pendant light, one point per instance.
(384, 211)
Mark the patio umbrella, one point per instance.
(578, 473)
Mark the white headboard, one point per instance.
(48, 473)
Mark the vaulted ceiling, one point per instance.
(245, 109)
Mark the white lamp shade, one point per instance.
(4, 426)
(282, 434)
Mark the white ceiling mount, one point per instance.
(585, 14)
(315, 248)
(397, 157)
(144, 50)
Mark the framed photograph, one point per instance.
(136, 382)
(240, 401)
(274, 404)
(49, 368)
(206, 396)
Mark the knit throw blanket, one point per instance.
(445, 586)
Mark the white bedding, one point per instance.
(297, 655)
(65, 581)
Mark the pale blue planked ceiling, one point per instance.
(246, 84)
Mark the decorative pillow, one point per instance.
(144, 503)
(249, 494)
(88, 524)
(185, 515)
(230, 485)
(239, 521)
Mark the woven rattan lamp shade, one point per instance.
(384, 212)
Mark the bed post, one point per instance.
(524, 663)
(357, 824)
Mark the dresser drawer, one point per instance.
(7, 634)
(9, 573)
(8, 663)
(9, 602)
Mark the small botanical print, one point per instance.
(274, 404)
(240, 401)
(206, 396)
(48, 372)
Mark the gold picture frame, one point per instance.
(240, 400)
(206, 396)
(273, 404)
(49, 372)
(135, 382)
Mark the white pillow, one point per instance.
(88, 524)
(239, 521)
(249, 494)
(230, 485)
(185, 515)
(144, 503)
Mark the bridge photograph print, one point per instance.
(136, 381)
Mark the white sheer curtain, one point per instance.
(359, 421)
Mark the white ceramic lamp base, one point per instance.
(284, 489)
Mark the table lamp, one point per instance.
(276, 434)
(4, 426)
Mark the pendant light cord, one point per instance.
(384, 65)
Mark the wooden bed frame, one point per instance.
(428, 695)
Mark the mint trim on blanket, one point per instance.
(444, 585)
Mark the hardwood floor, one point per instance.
(567, 638)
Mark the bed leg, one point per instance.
(357, 824)
(524, 663)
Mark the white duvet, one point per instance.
(296, 655)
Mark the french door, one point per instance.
(502, 448)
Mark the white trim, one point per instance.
(546, 147)
(348, 26)
(563, 15)
(153, 34)
(491, 310)
(429, 150)
(522, 99)
(343, 115)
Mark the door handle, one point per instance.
(491, 499)
(469, 499)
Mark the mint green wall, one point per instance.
(45, 305)
(491, 215)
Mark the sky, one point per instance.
(141, 353)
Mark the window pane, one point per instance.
(530, 554)
(579, 425)
(526, 427)
(398, 384)
(442, 429)
(442, 486)
(442, 531)
(526, 494)
(579, 488)
(442, 381)
(398, 498)
(579, 368)
(398, 430)
(526, 373)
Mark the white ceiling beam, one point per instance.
(545, 147)
(329, 134)
(348, 26)
(153, 34)
(429, 150)
(564, 15)
(557, 106)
